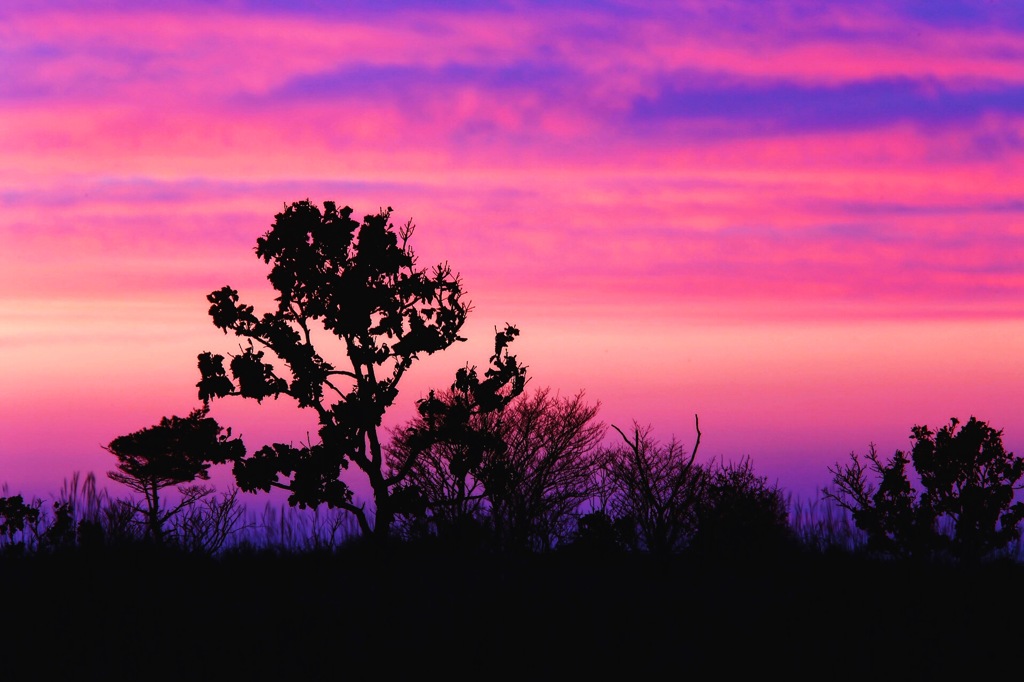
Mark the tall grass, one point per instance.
(823, 526)
(287, 529)
(82, 513)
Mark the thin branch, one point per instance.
(693, 455)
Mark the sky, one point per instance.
(801, 222)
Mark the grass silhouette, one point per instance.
(296, 594)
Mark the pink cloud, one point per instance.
(836, 283)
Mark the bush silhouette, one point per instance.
(654, 490)
(15, 517)
(965, 509)
(517, 475)
(739, 512)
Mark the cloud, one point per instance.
(787, 107)
(615, 166)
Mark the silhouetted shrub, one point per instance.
(655, 489)
(516, 478)
(15, 518)
(597, 532)
(966, 508)
(740, 513)
(206, 525)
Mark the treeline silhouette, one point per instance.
(553, 485)
(509, 530)
(294, 592)
(548, 482)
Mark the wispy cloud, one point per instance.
(697, 163)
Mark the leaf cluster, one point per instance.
(176, 450)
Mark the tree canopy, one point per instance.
(965, 506)
(360, 283)
(176, 451)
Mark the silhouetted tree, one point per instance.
(887, 511)
(968, 481)
(598, 532)
(969, 477)
(437, 456)
(655, 489)
(360, 283)
(739, 512)
(523, 471)
(174, 452)
(442, 450)
(548, 472)
(15, 516)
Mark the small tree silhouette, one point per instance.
(442, 450)
(523, 471)
(740, 513)
(174, 452)
(655, 488)
(437, 456)
(548, 471)
(888, 512)
(968, 479)
(15, 516)
(358, 282)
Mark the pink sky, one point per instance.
(803, 223)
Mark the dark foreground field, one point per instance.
(355, 615)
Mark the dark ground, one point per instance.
(145, 615)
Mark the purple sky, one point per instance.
(802, 221)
